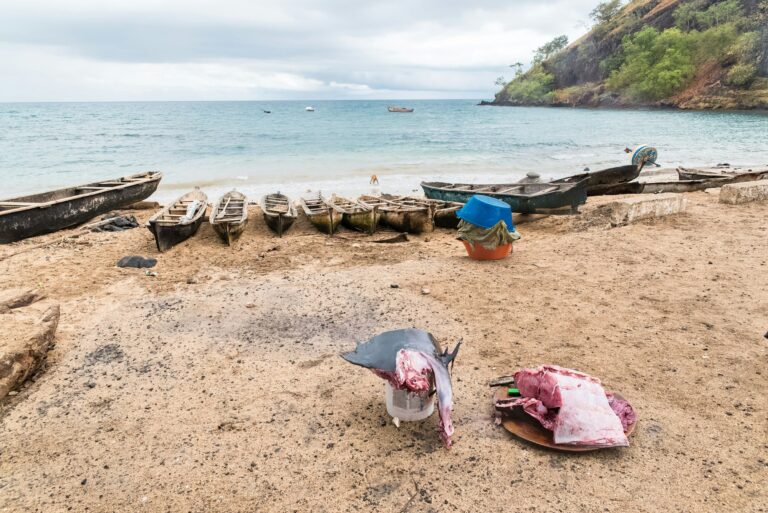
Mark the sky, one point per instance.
(125, 50)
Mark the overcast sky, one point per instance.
(69, 50)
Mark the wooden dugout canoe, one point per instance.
(229, 216)
(403, 214)
(279, 212)
(37, 214)
(322, 216)
(173, 224)
(524, 198)
(356, 215)
(598, 181)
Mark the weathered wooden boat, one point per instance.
(322, 216)
(279, 212)
(736, 174)
(36, 214)
(229, 216)
(597, 180)
(178, 221)
(355, 214)
(394, 108)
(660, 187)
(402, 213)
(524, 198)
(444, 214)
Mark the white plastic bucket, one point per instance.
(408, 406)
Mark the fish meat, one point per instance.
(411, 359)
(573, 405)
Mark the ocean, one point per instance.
(219, 146)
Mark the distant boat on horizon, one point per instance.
(394, 108)
(267, 112)
(309, 109)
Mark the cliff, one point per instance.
(688, 54)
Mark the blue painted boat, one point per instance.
(523, 198)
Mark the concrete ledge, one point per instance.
(651, 206)
(745, 192)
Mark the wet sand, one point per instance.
(217, 386)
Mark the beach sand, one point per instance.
(217, 385)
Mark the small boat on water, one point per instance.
(322, 216)
(36, 214)
(279, 212)
(356, 215)
(524, 198)
(598, 180)
(309, 108)
(229, 216)
(394, 108)
(178, 221)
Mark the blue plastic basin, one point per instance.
(485, 212)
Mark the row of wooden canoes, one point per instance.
(37, 214)
(229, 215)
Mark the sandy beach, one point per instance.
(217, 385)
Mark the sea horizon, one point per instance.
(220, 145)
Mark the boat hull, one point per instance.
(15, 226)
(362, 221)
(565, 200)
(412, 221)
(446, 218)
(167, 236)
(230, 232)
(735, 175)
(326, 222)
(598, 179)
(279, 223)
(661, 187)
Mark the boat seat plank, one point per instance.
(546, 190)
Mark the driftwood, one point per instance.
(77, 233)
(400, 237)
(502, 381)
(16, 298)
(26, 350)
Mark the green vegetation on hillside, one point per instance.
(653, 64)
(626, 58)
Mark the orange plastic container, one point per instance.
(478, 252)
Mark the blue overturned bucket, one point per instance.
(485, 212)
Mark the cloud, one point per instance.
(238, 49)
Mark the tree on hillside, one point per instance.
(548, 50)
(692, 15)
(501, 81)
(518, 67)
(606, 11)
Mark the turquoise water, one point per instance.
(221, 145)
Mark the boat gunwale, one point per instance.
(215, 210)
(291, 212)
(156, 176)
(156, 218)
(560, 188)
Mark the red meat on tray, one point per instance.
(573, 405)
